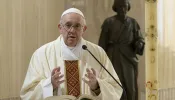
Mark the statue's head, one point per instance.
(120, 5)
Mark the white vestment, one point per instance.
(37, 84)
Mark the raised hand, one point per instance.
(92, 80)
(56, 78)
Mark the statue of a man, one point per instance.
(122, 40)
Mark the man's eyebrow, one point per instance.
(67, 22)
(73, 23)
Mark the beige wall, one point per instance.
(25, 25)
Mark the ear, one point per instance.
(84, 29)
(60, 28)
(129, 6)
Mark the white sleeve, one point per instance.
(47, 88)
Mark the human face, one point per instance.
(72, 27)
(122, 9)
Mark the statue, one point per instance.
(122, 40)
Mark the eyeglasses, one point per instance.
(68, 26)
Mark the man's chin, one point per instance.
(123, 15)
(72, 43)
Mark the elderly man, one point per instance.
(62, 67)
(122, 40)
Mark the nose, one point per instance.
(123, 9)
(72, 30)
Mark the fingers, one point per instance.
(90, 78)
(56, 77)
(90, 74)
(59, 77)
(87, 70)
(86, 81)
(93, 71)
(59, 82)
(56, 80)
(57, 69)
